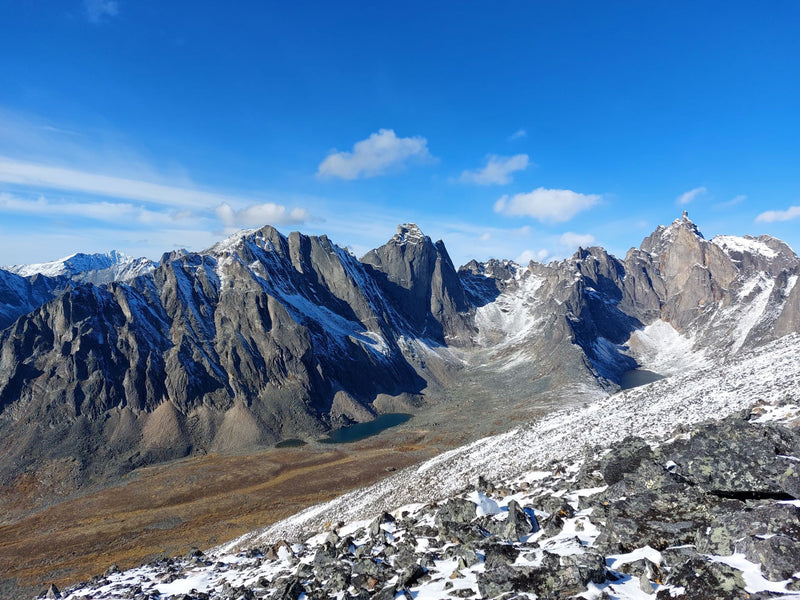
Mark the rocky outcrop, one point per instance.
(419, 278)
(710, 514)
(20, 295)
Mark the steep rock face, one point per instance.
(244, 344)
(483, 282)
(718, 296)
(695, 273)
(20, 295)
(557, 318)
(420, 279)
(727, 293)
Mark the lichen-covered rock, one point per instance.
(705, 580)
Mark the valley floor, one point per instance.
(168, 509)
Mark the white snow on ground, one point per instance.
(754, 581)
(661, 349)
(230, 242)
(52, 268)
(732, 243)
(769, 377)
(790, 283)
(753, 312)
(769, 374)
(511, 316)
(305, 310)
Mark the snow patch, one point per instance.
(732, 243)
(512, 316)
(661, 349)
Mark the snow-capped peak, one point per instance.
(408, 233)
(684, 222)
(230, 242)
(97, 268)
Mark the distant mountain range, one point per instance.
(89, 268)
(108, 363)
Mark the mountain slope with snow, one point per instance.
(768, 375)
(20, 295)
(554, 518)
(89, 268)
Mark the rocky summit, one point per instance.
(265, 337)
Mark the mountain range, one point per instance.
(109, 363)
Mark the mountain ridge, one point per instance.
(266, 336)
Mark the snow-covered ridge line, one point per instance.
(97, 268)
(768, 374)
(732, 243)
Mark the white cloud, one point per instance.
(258, 215)
(122, 213)
(497, 170)
(60, 178)
(378, 154)
(547, 205)
(518, 134)
(172, 197)
(573, 240)
(687, 197)
(97, 10)
(772, 216)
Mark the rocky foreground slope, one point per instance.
(688, 487)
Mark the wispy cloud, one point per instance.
(518, 135)
(687, 197)
(123, 213)
(380, 153)
(259, 214)
(547, 205)
(61, 178)
(36, 176)
(773, 216)
(574, 240)
(735, 201)
(497, 170)
(99, 10)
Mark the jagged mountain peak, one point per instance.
(681, 231)
(420, 278)
(95, 268)
(409, 233)
(266, 237)
(503, 270)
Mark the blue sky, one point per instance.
(514, 130)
